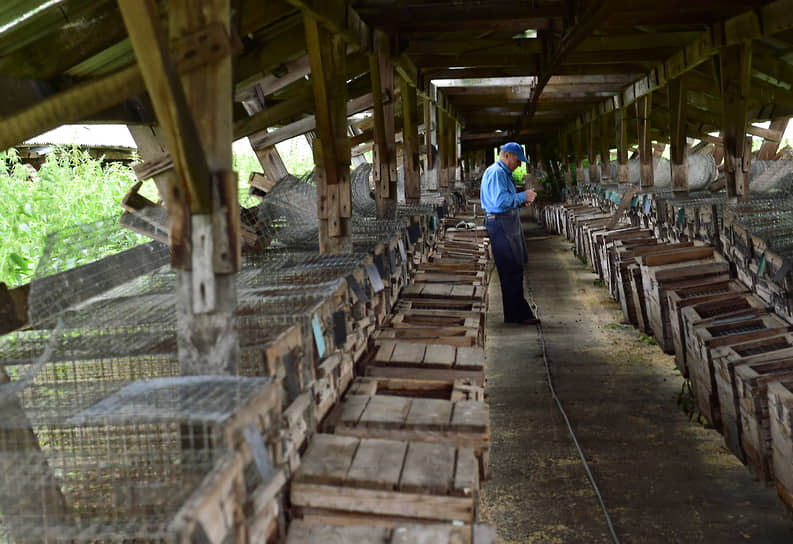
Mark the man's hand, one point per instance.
(530, 196)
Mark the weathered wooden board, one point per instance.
(751, 382)
(710, 334)
(690, 296)
(415, 388)
(424, 490)
(780, 411)
(727, 360)
(444, 290)
(306, 532)
(411, 359)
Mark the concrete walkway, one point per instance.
(663, 477)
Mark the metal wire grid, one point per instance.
(758, 211)
(119, 467)
(87, 260)
(363, 203)
(762, 349)
(724, 309)
(704, 293)
(739, 330)
(288, 212)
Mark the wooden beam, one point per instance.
(594, 175)
(152, 145)
(273, 166)
(71, 105)
(771, 142)
(170, 103)
(563, 146)
(340, 19)
(384, 160)
(332, 148)
(410, 155)
(427, 140)
(605, 155)
(770, 19)
(643, 109)
(307, 124)
(574, 37)
(621, 130)
(736, 64)
(677, 109)
(291, 72)
(578, 149)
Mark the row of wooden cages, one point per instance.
(401, 456)
(712, 286)
(103, 439)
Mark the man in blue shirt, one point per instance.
(502, 218)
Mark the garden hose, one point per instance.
(556, 399)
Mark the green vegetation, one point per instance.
(518, 174)
(648, 340)
(71, 188)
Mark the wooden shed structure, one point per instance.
(572, 80)
(569, 79)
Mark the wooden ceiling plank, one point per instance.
(170, 103)
(587, 24)
(71, 105)
(97, 29)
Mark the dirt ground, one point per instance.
(663, 477)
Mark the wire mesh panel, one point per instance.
(363, 203)
(289, 212)
(86, 260)
(118, 468)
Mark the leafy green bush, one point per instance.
(518, 174)
(72, 188)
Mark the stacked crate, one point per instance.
(728, 318)
(409, 440)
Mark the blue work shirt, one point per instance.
(498, 191)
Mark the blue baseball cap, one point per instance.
(516, 148)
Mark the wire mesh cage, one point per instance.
(289, 212)
(115, 466)
(83, 261)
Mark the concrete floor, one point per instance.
(663, 478)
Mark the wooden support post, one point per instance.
(443, 171)
(621, 130)
(594, 174)
(456, 136)
(327, 55)
(410, 136)
(563, 145)
(201, 151)
(605, 155)
(736, 67)
(643, 107)
(770, 145)
(678, 148)
(273, 167)
(578, 148)
(384, 156)
(170, 102)
(151, 144)
(428, 170)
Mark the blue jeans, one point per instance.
(509, 263)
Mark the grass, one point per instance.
(71, 188)
(647, 340)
